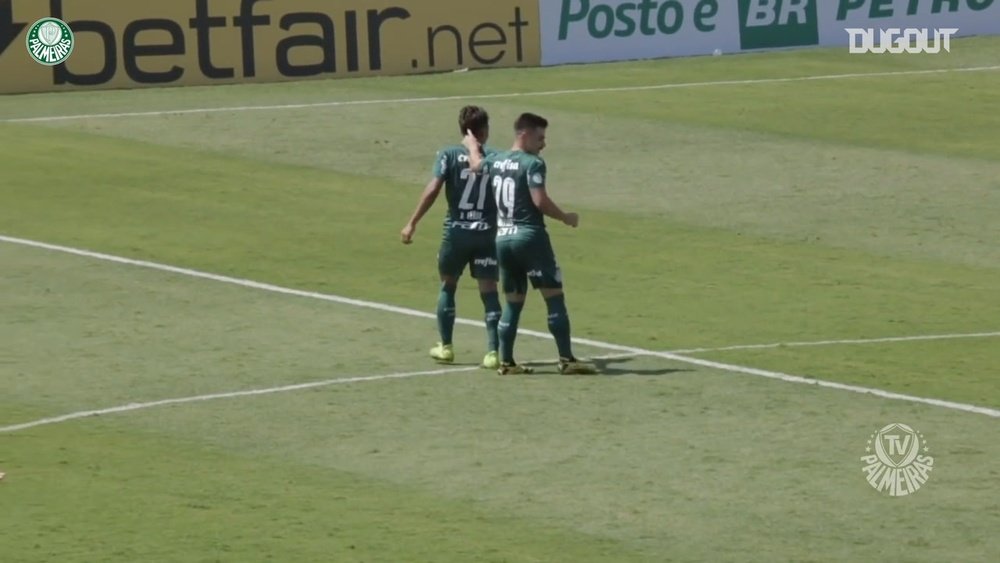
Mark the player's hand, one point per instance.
(407, 234)
(572, 219)
(470, 141)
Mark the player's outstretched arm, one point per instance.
(548, 207)
(427, 199)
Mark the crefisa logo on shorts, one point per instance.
(897, 460)
(484, 262)
(50, 41)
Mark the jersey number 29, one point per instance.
(504, 189)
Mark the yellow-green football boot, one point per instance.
(443, 353)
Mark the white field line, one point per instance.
(581, 341)
(248, 393)
(882, 340)
(229, 395)
(346, 103)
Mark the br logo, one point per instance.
(50, 41)
(766, 24)
(900, 464)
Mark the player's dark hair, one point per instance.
(530, 121)
(473, 118)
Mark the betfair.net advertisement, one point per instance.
(135, 43)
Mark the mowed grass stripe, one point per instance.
(776, 375)
(311, 215)
(120, 495)
(865, 178)
(527, 94)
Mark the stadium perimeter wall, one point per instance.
(138, 43)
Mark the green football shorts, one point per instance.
(525, 256)
(475, 249)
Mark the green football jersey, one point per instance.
(513, 175)
(470, 206)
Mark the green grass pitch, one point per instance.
(713, 215)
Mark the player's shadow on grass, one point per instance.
(606, 367)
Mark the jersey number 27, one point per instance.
(466, 202)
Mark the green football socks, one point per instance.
(507, 330)
(446, 313)
(559, 325)
(491, 302)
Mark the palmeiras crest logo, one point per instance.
(50, 41)
(897, 460)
